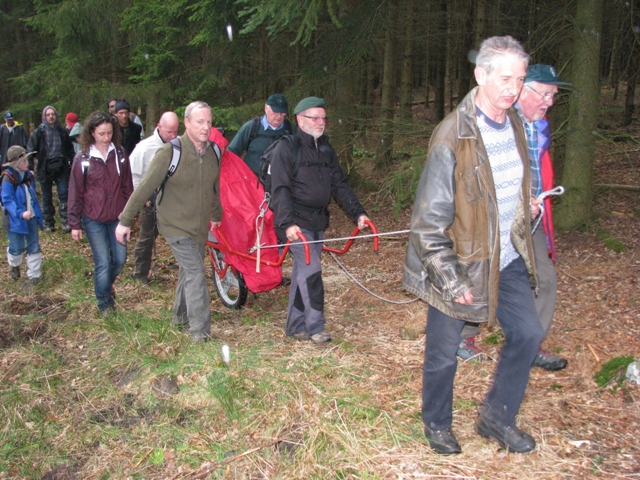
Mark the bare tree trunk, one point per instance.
(440, 59)
(389, 84)
(406, 79)
(633, 68)
(577, 203)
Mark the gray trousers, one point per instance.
(545, 302)
(306, 294)
(192, 305)
(143, 252)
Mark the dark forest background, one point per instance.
(390, 70)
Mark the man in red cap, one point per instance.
(74, 127)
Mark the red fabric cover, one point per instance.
(241, 195)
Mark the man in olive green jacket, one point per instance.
(189, 200)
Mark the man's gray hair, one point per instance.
(193, 106)
(495, 47)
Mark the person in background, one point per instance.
(537, 96)
(74, 127)
(99, 189)
(54, 153)
(141, 157)
(23, 214)
(258, 133)
(111, 108)
(130, 132)
(11, 133)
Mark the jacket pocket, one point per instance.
(470, 184)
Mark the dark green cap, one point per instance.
(307, 103)
(278, 103)
(543, 74)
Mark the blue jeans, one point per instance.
(523, 333)
(17, 240)
(48, 210)
(109, 257)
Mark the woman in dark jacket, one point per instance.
(99, 188)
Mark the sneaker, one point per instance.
(548, 361)
(467, 350)
(509, 437)
(301, 336)
(15, 273)
(66, 228)
(34, 281)
(322, 337)
(443, 442)
(49, 228)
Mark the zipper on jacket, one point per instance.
(478, 180)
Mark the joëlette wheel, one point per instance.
(231, 287)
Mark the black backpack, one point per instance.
(287, 130)
(264, 168)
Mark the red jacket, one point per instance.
(102, 192)
(546, 171)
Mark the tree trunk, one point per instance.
(576, 207)
(633, 68)
(439, 58)
(389, 83)
(406, 79)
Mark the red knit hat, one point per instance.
(71, 119)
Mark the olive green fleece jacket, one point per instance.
(191, 195)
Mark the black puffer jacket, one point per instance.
(300, 196)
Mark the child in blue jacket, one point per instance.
(21, 214)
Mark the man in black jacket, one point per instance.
(11, 133)
(54, 155)
(300, 197)
(131, 133)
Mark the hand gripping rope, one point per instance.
(559, 190)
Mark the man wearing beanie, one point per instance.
(258, 133)
(131, 133)
(21, 215)
(11, 133)
(299, 198)
(54, 154)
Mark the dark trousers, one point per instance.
(522, 331)
(143, 252)
(48, 210)
(306, 294)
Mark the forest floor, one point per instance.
(125, 396)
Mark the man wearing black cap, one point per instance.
(54, 156)
(299, 201)
(131, 133)
(11, 133)
(537, 96)
(258, 133)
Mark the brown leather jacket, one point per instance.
(454, 243)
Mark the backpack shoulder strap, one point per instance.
(176, 153)
(255, 126)
(217, 151)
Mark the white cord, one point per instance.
(395, 302)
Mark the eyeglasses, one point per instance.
(547, 97)
(316, 119)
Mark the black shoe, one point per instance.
(443, 442)
(509, 437)
(15, 273)
(548, 361)
(286, 281)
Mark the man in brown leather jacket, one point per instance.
(470, 254)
